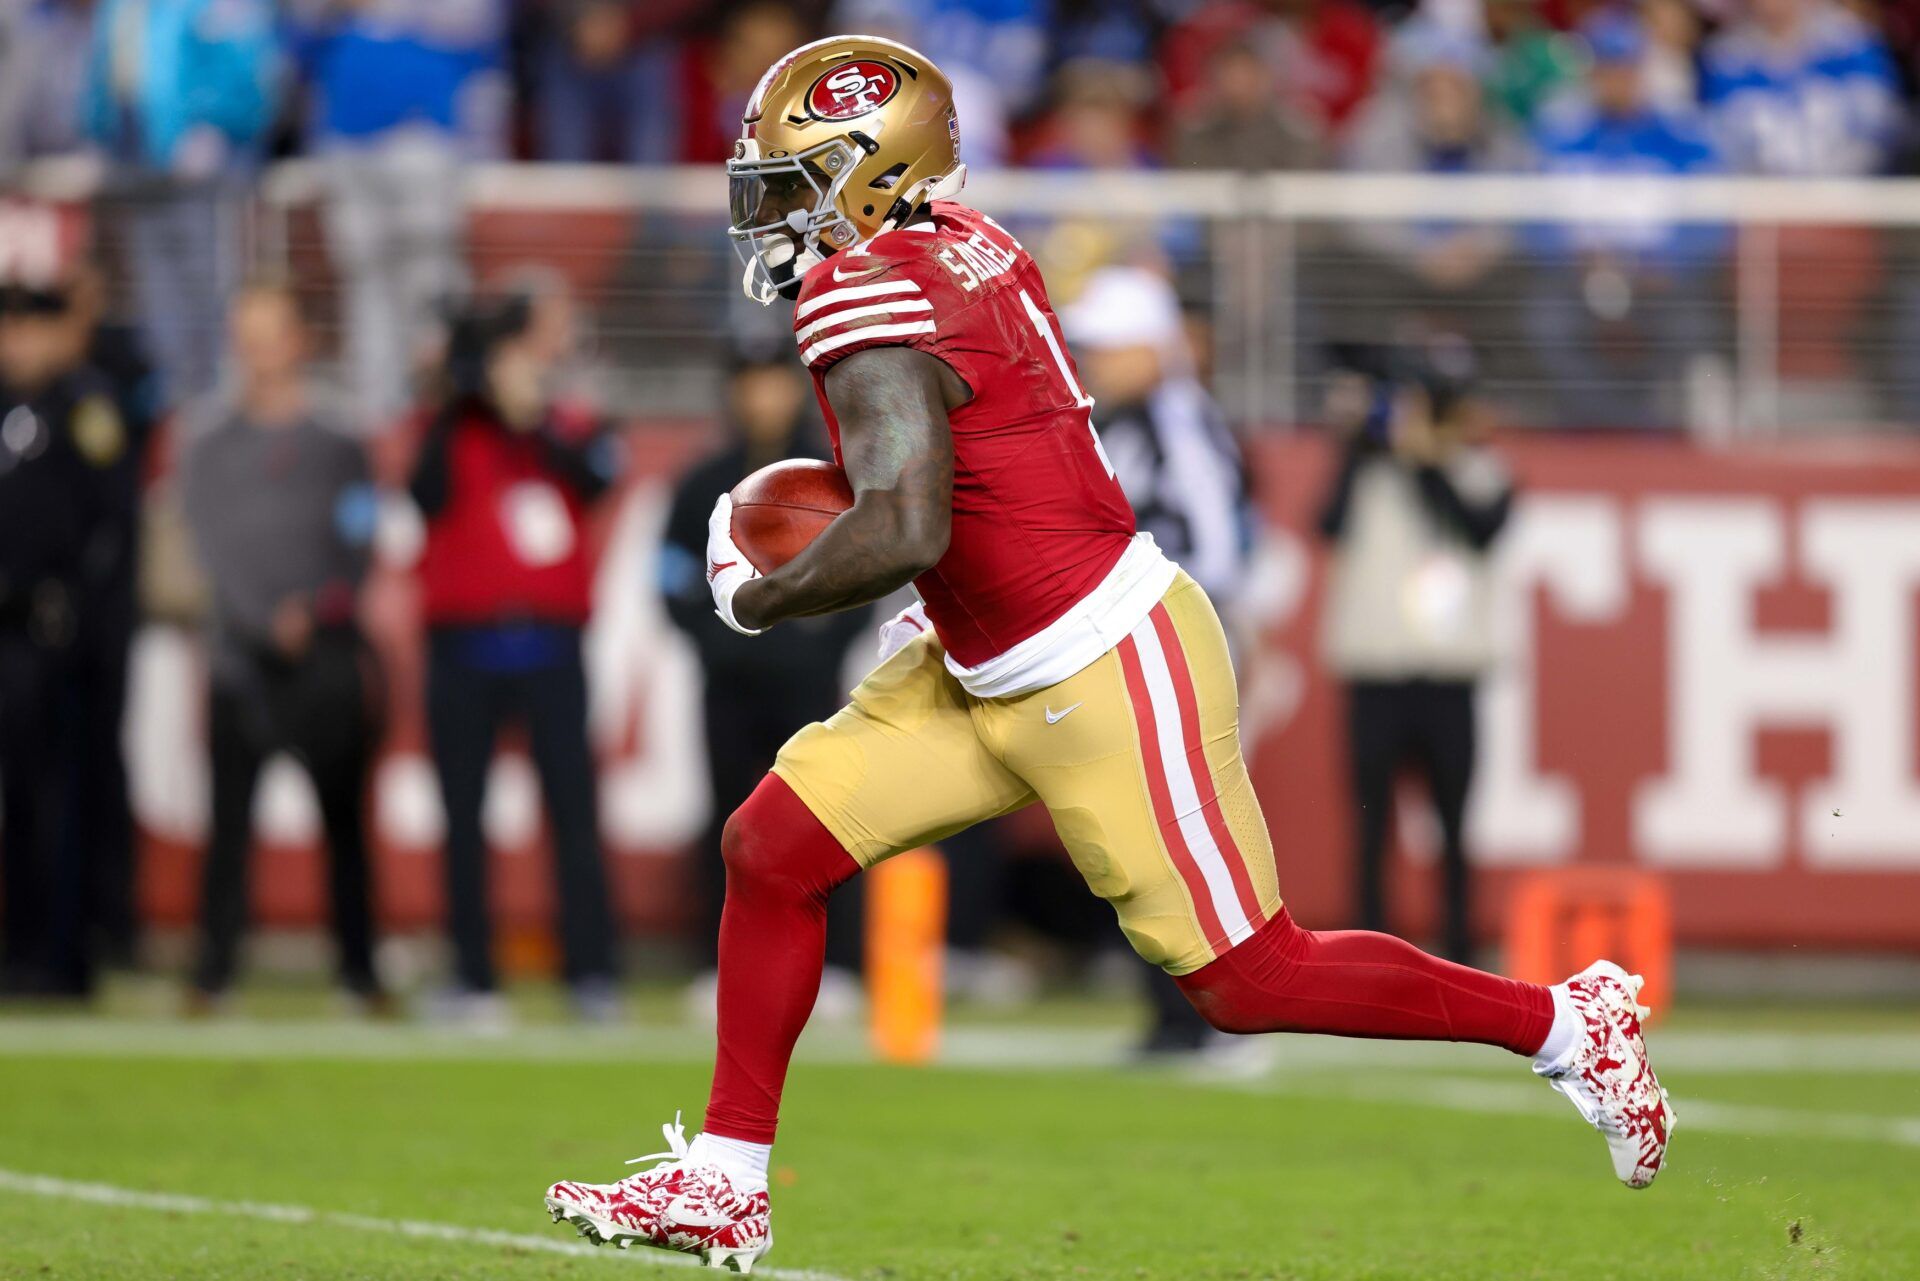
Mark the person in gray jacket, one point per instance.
(282, 512)
(1416, 504)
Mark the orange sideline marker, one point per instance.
(906, 940)
(1558, 921)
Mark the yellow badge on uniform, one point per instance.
(98, 433)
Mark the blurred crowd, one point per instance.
(183, 101)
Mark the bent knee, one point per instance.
(1224, 1009)
(1244, 991)
(740, 848)
(774, 840)
(753, 844)
(1218, 993)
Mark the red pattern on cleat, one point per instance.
(677, 1205)
(1607, 1076)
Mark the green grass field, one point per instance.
(402, 1153)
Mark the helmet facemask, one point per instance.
(782, 208)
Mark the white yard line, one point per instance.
(108, 1194)
(1463, 1094)
(1453, 1077)
(1720, 1052)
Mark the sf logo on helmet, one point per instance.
(851, 90)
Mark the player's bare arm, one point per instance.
(892, 405)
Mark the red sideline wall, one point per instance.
(1709, 671)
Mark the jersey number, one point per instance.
(1080, 397)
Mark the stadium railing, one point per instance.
(1732, 308)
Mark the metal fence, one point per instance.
(1730, 308)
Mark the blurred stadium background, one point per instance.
(1679, 240)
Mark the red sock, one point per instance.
(1353, 983)
(781, 865)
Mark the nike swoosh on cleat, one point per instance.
(683, 1214)
(1054, 718)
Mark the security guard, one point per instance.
(60, 430)
(101, 830)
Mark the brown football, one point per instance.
(779, 509)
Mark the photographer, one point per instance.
(1415, 506)
(504, 480)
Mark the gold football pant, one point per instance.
(1136, 757)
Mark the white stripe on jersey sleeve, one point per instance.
(854, 313)
(838, 341)
(852, 292)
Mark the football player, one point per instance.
(1066, 660)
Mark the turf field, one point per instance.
(128, 1145)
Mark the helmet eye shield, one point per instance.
(763, 195)
(760, 199)
(779, 206)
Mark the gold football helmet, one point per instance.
(842, 139)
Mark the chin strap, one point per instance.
(783, 266)
(788, 272)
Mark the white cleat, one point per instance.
(1606, 1075)
(692, 1208)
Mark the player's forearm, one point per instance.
(879, 545)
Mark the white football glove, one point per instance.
(902, 628)
(727, 566)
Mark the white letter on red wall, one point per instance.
(1726, 681)
(1570, 549)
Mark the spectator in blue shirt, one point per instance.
(1801, 87)
(1619, 307)
(180, 95)
(402, 94)
(1003, 41)
(609, 80)
(1608, 126)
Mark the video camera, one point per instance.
(1442, 365)
(474, 333)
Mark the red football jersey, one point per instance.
(1038, 518)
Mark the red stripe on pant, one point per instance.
(1197, 764)
(1174, 839)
